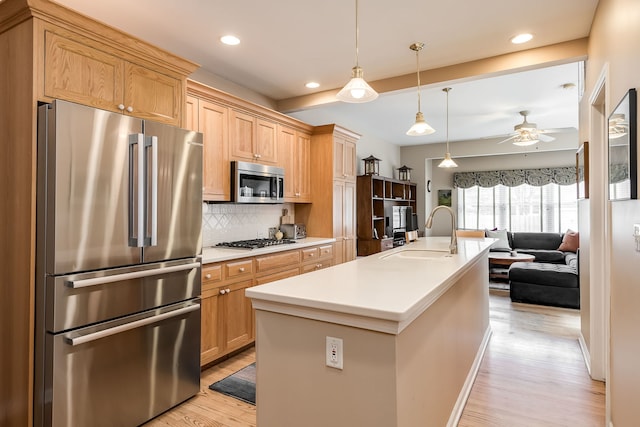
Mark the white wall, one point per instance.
(389, 155)
(220, 83)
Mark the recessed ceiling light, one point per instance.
(312, 85)
(230, 40)
(521, 38)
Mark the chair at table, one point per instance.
(470, 233)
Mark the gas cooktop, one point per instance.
(255, 243)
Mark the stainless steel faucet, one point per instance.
(453, 246)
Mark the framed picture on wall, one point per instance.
(582, 171)
(444, 197)
(623, 153)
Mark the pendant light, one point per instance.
(420, 127)
(448, 161)
(357, 90)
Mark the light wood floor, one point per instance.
(532, 374)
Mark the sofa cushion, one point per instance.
(570, 241)
(503, 240)
(545, 255)
(526, 240)
(559, 275)
(571, 259)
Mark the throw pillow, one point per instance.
(570, 241)
(503, 242)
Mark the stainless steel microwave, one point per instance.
(256, 183)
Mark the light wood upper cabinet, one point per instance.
(92, 76)
(252, 139)
(344, 162)
(293, 155)
(216, 176)
(152, 95)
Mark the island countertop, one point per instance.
(384, 292)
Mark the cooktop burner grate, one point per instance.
(255, 243)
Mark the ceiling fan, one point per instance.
(527, 133)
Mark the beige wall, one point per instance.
(614, 46)
(389, 155)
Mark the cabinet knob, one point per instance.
(318, 265)
(121, 107)
(297, 194)
(228, 290)
(222, 291)
(311, 254)
(130, 109)
(241, 269)
(208, 276)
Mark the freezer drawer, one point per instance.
(82, 299)
(124, 372)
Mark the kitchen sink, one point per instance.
(420, 254)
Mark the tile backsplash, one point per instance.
(225, 222)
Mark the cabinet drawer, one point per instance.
(326, 252)
(211, 274)
(238, 269)
(272, 262)
(310, 254)
(316, 266)
(277, 276)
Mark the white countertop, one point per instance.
(383, 292)
(215, 254)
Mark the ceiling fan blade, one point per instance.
(557, 130)
(508, 139)
(545, 138)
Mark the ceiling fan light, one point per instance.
(525, 142)
(420, 127)
(447, 162)
(357, 90)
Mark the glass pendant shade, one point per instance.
(447, 162)
(357, 90)
(420, 127)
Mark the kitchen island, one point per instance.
(414, 323)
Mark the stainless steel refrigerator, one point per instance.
(119, 215)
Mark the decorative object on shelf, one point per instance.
(371, 165)
(404, 173)
(447, 162)
(420, 127)
(582, 171)
(357, 90)
(444, 198)
(623, 155)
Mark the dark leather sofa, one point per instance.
(552, 279)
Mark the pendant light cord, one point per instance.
(418, 73)
(447, 90)
(357, 35)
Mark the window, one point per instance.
(549, 208)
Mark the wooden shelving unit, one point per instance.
(376, 195)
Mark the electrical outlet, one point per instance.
(334, 352)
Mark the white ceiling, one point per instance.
(286, 43)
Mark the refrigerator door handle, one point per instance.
(152, 143)
(94, 281)
(136, 201)
(83, 339)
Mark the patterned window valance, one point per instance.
(513, 178)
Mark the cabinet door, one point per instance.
(338, 209)
(302, 168)
(266, 144)
(349, 159)
(214, 125)
(241, 135)
(152, 95)
(237, 312)
(82, 74)
(286, 160)
(338, 157)
(210, 342)
(349, 221)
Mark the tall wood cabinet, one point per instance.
(235, 129)
(333, 189)
(49, 51)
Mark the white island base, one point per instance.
(418, 375)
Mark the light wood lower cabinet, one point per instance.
(227, 317)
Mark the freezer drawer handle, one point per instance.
(128, 326)
(94, 281)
